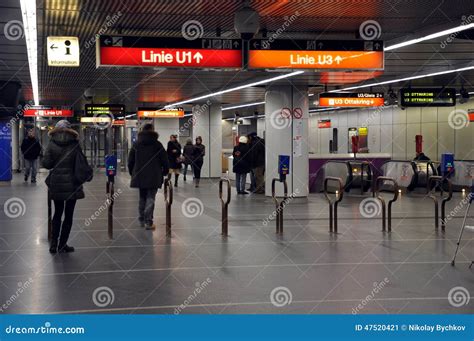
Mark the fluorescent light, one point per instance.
(309, 95)
(28, 12)
(240, 87)
(233, 118)
(430, 36)
(405, 79)
(187, 115)
(243, 105)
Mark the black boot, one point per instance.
(53, 248)
(66, 249)
(176, 176)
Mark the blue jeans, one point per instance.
(146, 205)
(31, 166)
(240, 180)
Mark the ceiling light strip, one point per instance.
(243, 105)
(28, 12)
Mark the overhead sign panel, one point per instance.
(351, 99)
(421, 97)
(104, 109)
(48, 113)
(316, 54)
(63, 51)
(169, 52)
(157, 113)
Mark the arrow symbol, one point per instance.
(377, 46)
(320, 45)
(236, 44)
(338, 59)
(52, 47)
(255, 44)
(107, 41)
(198, 57)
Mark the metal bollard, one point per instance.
(438, 182)
(279, 205)
(168, 193)
(225, 206)
(333, 204)
(380, 179)
(110, 214)
(50, 222)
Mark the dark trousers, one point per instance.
(62, 232)
(185, 171)
(197, 165)
(146, 205)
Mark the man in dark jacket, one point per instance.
(147, 165)
(241, 164)
(257, 150)
(60, 158)
(174, 153)
(31, 149)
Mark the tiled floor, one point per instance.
(307, 270)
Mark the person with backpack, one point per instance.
(241, 164)
(257, 151)
(174, 158)
(147, 165)
(198, 160)
(68, 171)
(188, 151)
(31, 149)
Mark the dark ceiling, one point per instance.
(324, 19)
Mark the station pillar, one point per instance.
(286, 133)
(16, 143)
(207, 123)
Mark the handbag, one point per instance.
(82, 171)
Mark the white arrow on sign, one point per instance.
(338, 59)
(198, 57)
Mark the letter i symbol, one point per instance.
(68, 49)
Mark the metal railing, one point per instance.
(279, 205)
(386, 220)
(438, 182)
(109, 189)
(168, 194)
(333, 203)
(225, 206)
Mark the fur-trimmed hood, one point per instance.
(63, 136)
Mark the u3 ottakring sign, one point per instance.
(351, 99)
(169, 52)
(316, 54)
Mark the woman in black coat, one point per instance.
(198, 159)
(60, 158)
(241, 164)
(174, 153)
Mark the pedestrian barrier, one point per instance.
(279, 205)
(109, 189)
(386, 220)
(225, 206)
(333, 203)
(438, 182)
(168, 194)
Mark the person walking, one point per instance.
(253, 181)
(60, 158)
(188, 151)
(241, 164)
(257, 150)
(31, 149)
(174, 154)
(198, 160)
(147, 166)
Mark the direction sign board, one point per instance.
(63, 51)
(316, 54)
(421, 97)
(104, 109)
(169, 52)
(48, 113)
(160, 113)
(351, 99)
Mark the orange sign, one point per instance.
(351, 102)
(353, 60)
(161, 113)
